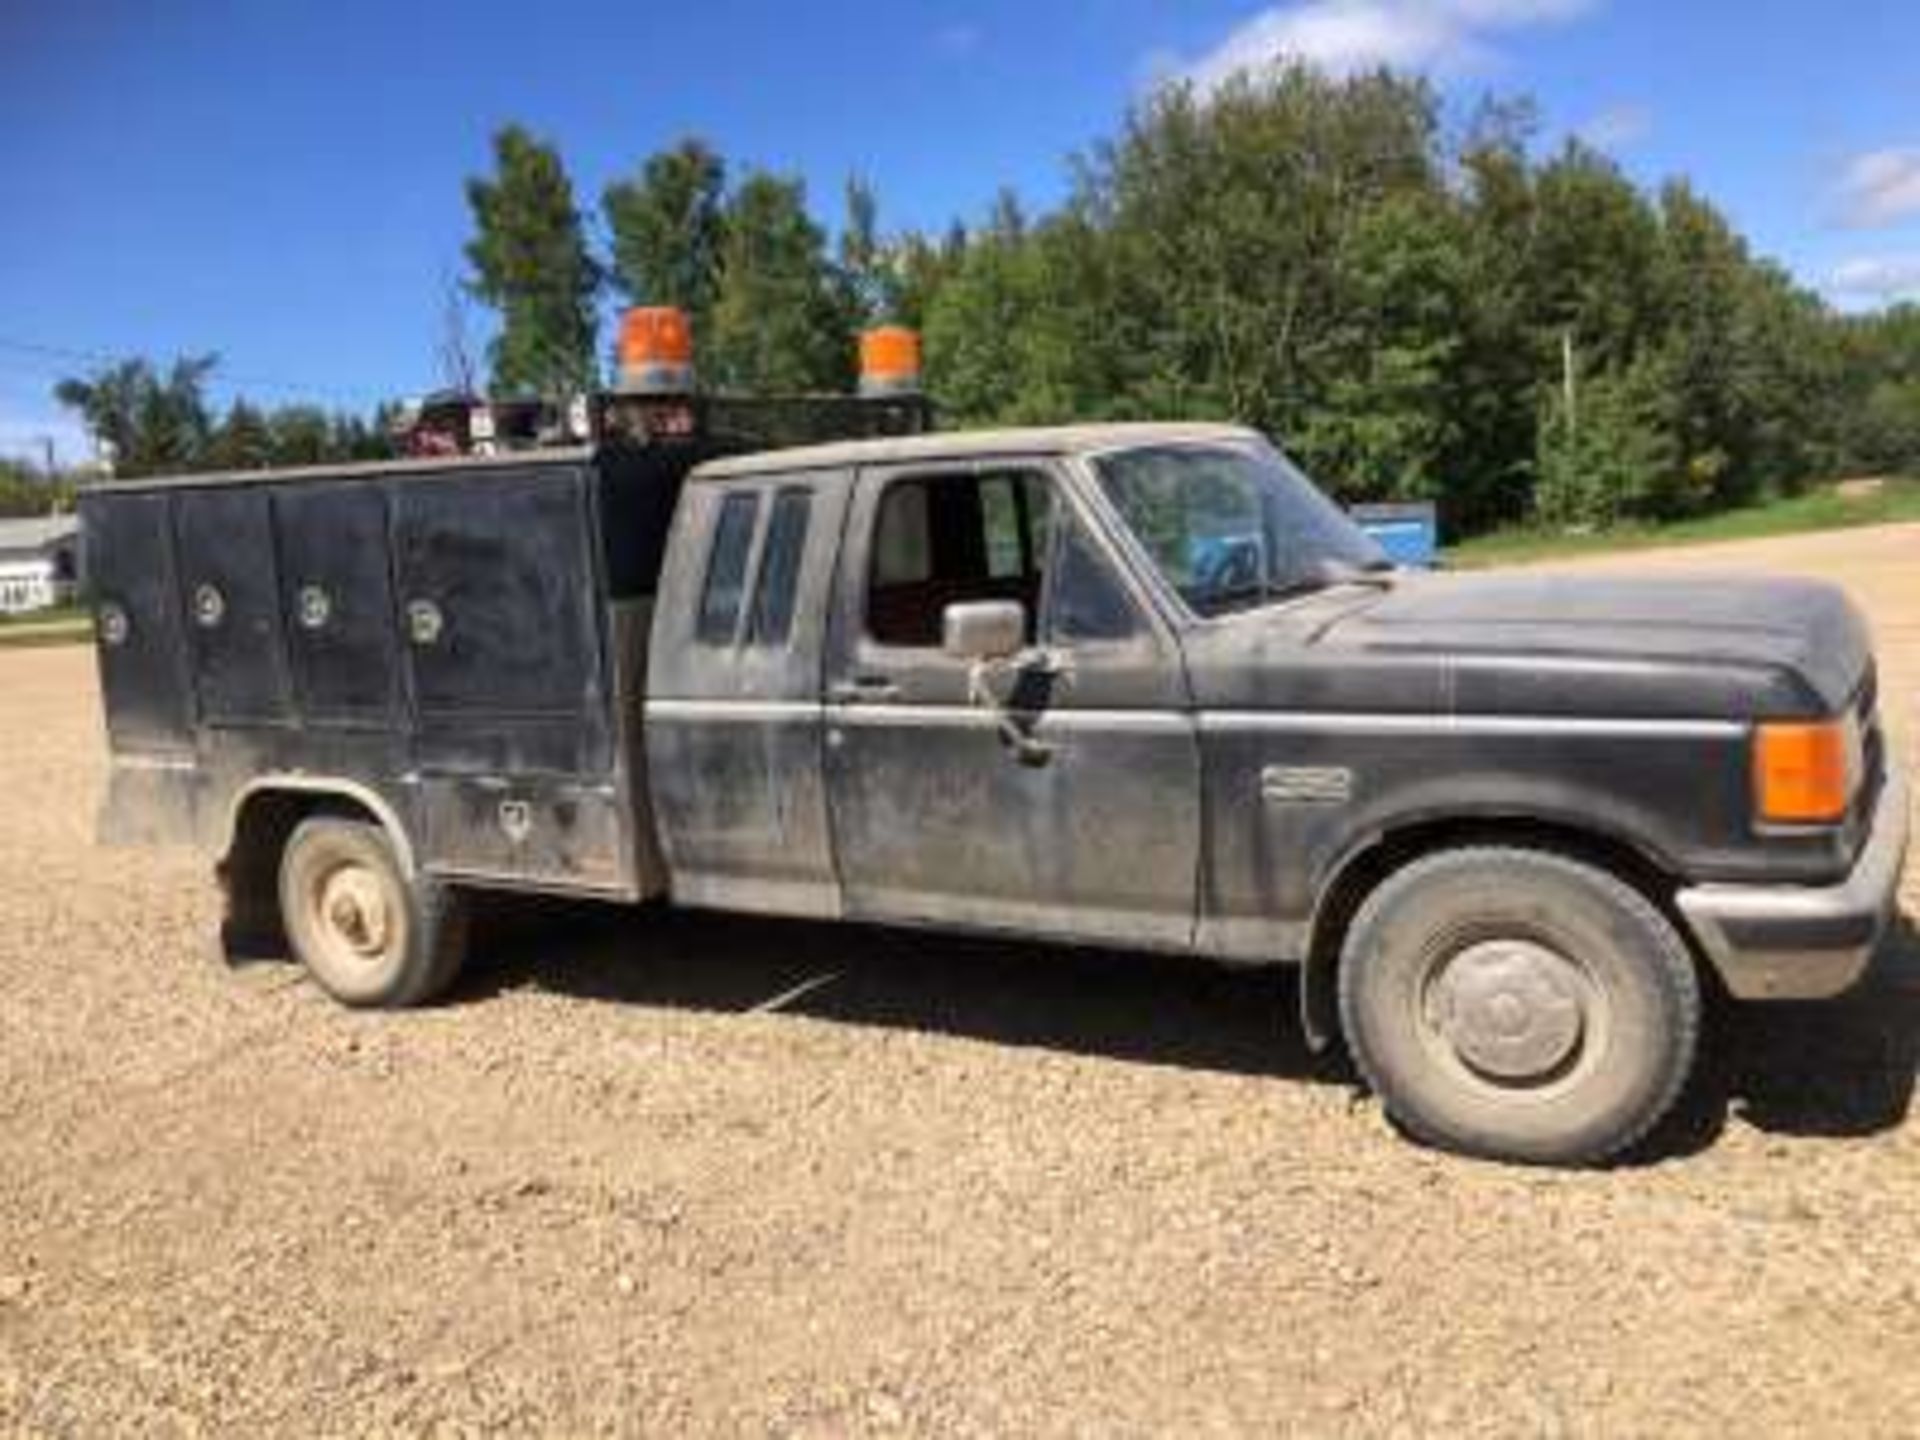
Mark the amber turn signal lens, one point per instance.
(1804, 773)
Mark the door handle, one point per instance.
(864, 687)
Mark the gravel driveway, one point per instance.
(617, 1184)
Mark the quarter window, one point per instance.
(1088, 602)
(727, 569)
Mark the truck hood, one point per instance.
(1546, 643)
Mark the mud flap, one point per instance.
(250, 929)
(1320, 1004)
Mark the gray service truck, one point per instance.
(1129, 686)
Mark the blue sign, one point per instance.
(1409, 533)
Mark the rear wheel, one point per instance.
(367, 935)
(1519, 1005)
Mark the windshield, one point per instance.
(1233, 525)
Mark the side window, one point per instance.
(727, 569)
(943, 539)
(1014, 512)
(773, 594)
(902, 554)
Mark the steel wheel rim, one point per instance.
(355, 920)
(1513, 1015)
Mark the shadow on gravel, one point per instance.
(1840, 1068)
(1147, 1009)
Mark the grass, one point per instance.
(1821, 509)
(58, 625)
(52, 615)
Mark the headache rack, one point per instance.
(658, 401)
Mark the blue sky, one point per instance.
(281, 182)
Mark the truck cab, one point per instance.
(1131, 686)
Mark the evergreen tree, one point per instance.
(530, 262)
(301, 435)
(244, 440)
(669, 225)
(779, 324)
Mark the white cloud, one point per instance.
(1880, 279)
(1618, 127)
(1345, 36)
(1881, 187)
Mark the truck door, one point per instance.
(1084, 824)
(733, 693)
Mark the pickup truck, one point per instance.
(1130, 686)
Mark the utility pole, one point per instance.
(1567, 381)
(46, 448)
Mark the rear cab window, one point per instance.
(753, 568)
(720, 597)
(780, 557)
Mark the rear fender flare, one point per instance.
(322, 787)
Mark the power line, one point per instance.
(73, 355)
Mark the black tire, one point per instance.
(1519, 1005)
(368, 936)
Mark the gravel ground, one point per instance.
(956, 1187)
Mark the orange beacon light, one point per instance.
(890, 361)
(656, 351)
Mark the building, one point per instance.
(39, 562)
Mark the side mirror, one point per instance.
(984, 629)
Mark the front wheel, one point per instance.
(1519, 1005)
(367, 935)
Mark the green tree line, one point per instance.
(154, 421)
(1413, 312)
(1413, 308)
(27, 491)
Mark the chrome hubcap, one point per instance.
(353, 911)
(1513, 1010)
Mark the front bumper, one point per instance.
(1795, 942)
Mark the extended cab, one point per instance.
(1136, 686)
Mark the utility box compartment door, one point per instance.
(337, 594)
(544, 832)
(497, 613)
(232, 606)
(143, 663)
